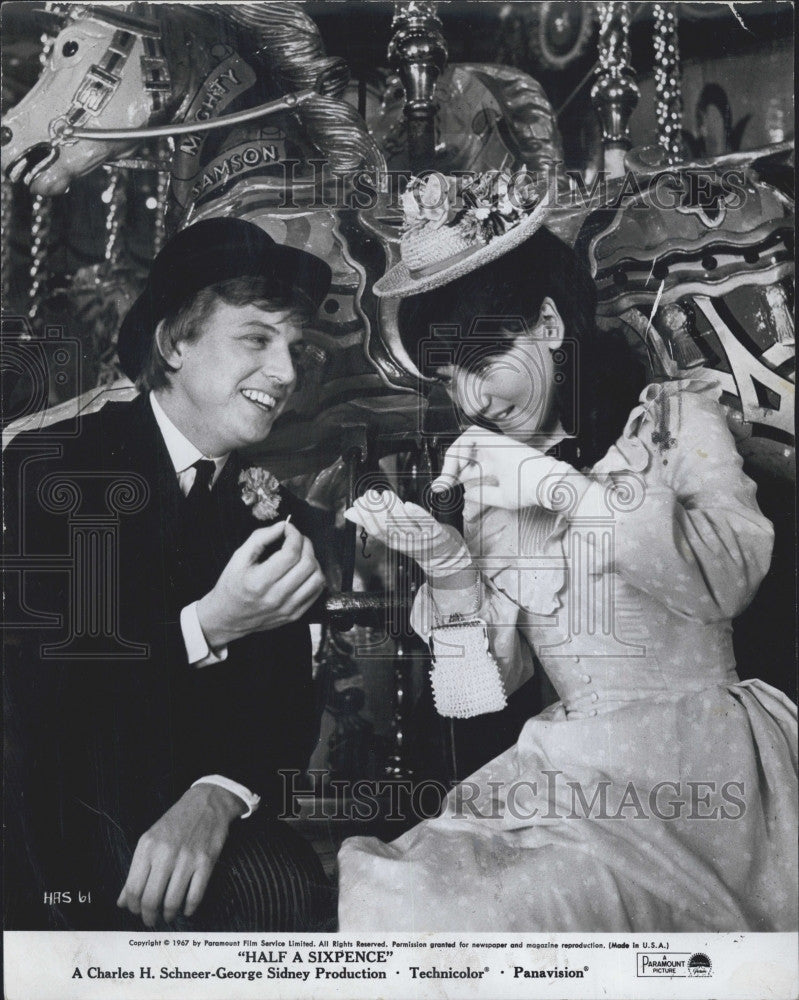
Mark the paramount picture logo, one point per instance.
(659, 964)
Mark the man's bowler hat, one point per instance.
(206, 253)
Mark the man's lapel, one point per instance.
(148, 453)
(235, 519)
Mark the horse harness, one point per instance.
(102, 79)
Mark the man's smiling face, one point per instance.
(233, 379)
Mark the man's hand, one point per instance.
(252, 596)
(174, 859)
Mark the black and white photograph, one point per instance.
(399, 499)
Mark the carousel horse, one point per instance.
(259, 129)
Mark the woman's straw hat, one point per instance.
(454, 225)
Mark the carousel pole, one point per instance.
(115, 197)
(668, 97)
(164, 155)
(42, 215)
(615, 92)
(417, 51)
(162, 200)
(6, 221)
(41, 233)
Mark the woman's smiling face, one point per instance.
(514, 390)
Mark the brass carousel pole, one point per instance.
(417, 51)
(615, 92)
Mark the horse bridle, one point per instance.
(102, 80)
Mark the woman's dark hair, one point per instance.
(479, 315)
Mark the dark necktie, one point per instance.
(198, 499)
(200, 529)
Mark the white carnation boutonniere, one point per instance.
(261, 491)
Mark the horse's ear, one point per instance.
(50, 22)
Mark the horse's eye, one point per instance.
(70, 48)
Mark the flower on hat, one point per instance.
(488, 204)
(430, 200)
(497, 201)
(261, 491)
(505, 206)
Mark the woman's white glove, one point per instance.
(407, 528)
(497, 471)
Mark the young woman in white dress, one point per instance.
(659, 791)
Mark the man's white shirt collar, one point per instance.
(181, 451)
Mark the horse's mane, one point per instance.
(290, 43)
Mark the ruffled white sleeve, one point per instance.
(689, 531)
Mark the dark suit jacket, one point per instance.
(105, 715)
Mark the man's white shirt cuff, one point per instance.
(250, 799)
(198, 651)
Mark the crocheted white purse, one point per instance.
(465, 676)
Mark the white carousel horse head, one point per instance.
(105, 69)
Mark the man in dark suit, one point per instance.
(164, 674)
